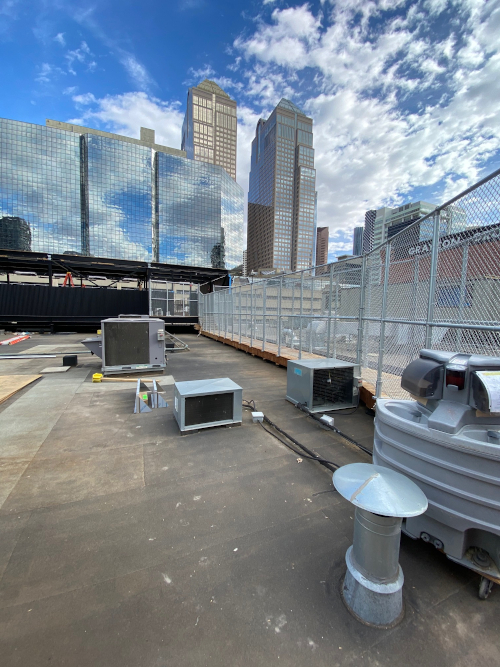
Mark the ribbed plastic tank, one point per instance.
(451, 450)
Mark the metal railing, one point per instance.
(435, 284)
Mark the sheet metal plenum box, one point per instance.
(204, 403)
(322, 384)
(132, 344)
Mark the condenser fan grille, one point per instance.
(332, 385)
(208, 408)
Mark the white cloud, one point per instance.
(136, 71)
(397, 105)
(80, 55)
(85, 99)
(59, 38)
(46, 72)
(196, 76)
(127, 113)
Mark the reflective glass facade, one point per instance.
(189, 213)
(119, 195)
(232, 216)
(75, 191)
(199, 213)
(282, 192)
(40, 186)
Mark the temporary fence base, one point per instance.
(367, 389)
(271, 353)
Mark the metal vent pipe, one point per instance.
(373, 583)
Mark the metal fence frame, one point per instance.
(382, 296)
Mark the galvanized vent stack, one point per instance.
(372, 588)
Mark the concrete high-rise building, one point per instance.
(383, 223)
(209, 128)
(390, 221)
(357, 241)
(321, 249)
(245, 265)
(281, 198)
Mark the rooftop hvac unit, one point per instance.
(447, 440)
(132, 344)
(322, 384)
(203, 403)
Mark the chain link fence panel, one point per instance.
(435, 284)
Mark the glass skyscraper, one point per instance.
(209, 129)
(65, 188)
(281, 198)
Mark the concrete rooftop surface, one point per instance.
(125, 544)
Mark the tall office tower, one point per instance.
(244, 271)
(357, 241)
(209, 128)
(321, 249)
(368, 230)
(281, 198)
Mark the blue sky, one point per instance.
(404, 95)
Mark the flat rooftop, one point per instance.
(125, 544)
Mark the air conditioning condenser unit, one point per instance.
(131, 344)
(322, 385)
(204, 403)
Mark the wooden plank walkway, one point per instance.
(286, 354)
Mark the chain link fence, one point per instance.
(436, 284)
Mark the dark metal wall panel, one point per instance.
(43, 301)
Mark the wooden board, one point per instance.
(10, 384)
(367, 389)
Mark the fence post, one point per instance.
(219, 311)
(264, 295)
(239, 289)
(359, 352)
(232, 313)
(251, 315)
(463, 293)
(301, 312)
(329, 325)
(279, 315)
(378, 388)
(150, 289)
(432, 282)
(312, 313)
(336, 316)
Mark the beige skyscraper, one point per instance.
(209, 128)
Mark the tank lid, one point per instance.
(379, 490)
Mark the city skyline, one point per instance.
(403, 96)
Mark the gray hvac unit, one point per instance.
(322, 385)
(203, 403)
(447, 440)
(132, 344)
